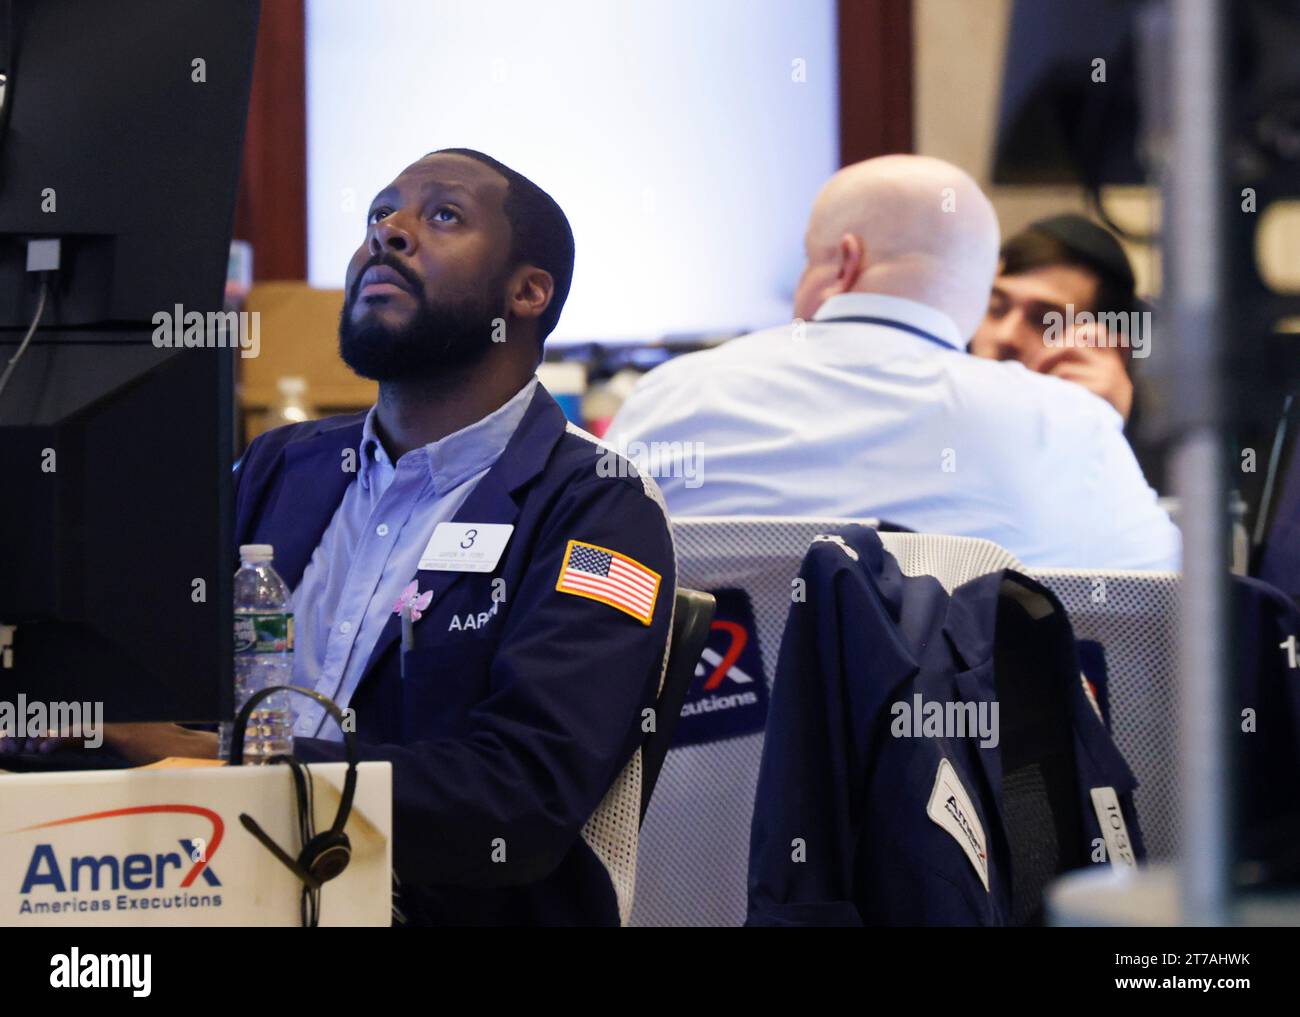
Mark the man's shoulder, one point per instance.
(288, 434)
(724, 359)
(1007, 385)
(583, 461)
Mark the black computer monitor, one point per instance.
(120, 136)
(1068, 111)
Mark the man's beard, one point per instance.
(437, 340)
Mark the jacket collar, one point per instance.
(455, 457)
(494, 498)
(316, 470)
(971, 628)
(319, 466)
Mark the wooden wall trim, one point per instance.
(271, 210)
(875, 57)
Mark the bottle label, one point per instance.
(264, 633)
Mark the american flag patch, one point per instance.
(612, 578)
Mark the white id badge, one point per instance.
(465, 547)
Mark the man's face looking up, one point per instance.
(424, 290)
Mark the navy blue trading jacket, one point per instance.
(1267, 741)
(856, 824)
(517, 728)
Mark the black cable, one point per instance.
(31, 331)
(1270, 477)
(303, 794)
(310, 906)
(1093, 198)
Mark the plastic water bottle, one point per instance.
(263, 655)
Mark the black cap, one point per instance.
(1090, 242)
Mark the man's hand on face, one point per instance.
(1092, 363)
(136, 743)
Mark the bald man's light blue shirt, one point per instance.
(371, 549)
(875, 410)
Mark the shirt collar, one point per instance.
(897, 309)
(458, 456)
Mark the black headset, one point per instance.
(323, 856)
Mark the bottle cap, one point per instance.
(256, 552)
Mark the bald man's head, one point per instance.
(907, 226)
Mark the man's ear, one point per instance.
(531, 289)
(852, 261)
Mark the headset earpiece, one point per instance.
(327, 855)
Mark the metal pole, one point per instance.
(1194, 200)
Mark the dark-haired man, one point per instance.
(1064, 303)
(513, 720)
(1055, 278)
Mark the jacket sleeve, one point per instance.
(811, 789)
(245, 476)
(569, 681)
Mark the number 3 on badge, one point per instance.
(465, 547)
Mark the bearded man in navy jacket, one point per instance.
(513, 719)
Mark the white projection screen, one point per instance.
(685, 139)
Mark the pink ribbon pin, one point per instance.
(411, 604)
(408, 607)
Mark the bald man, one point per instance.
(867, 404)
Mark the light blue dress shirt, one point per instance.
(890, 418)
(372, 547)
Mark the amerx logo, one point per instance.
(952, 809)
(726, 667)
(1092, 660)
(728, 696)
(64, 873)
(955, 810)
